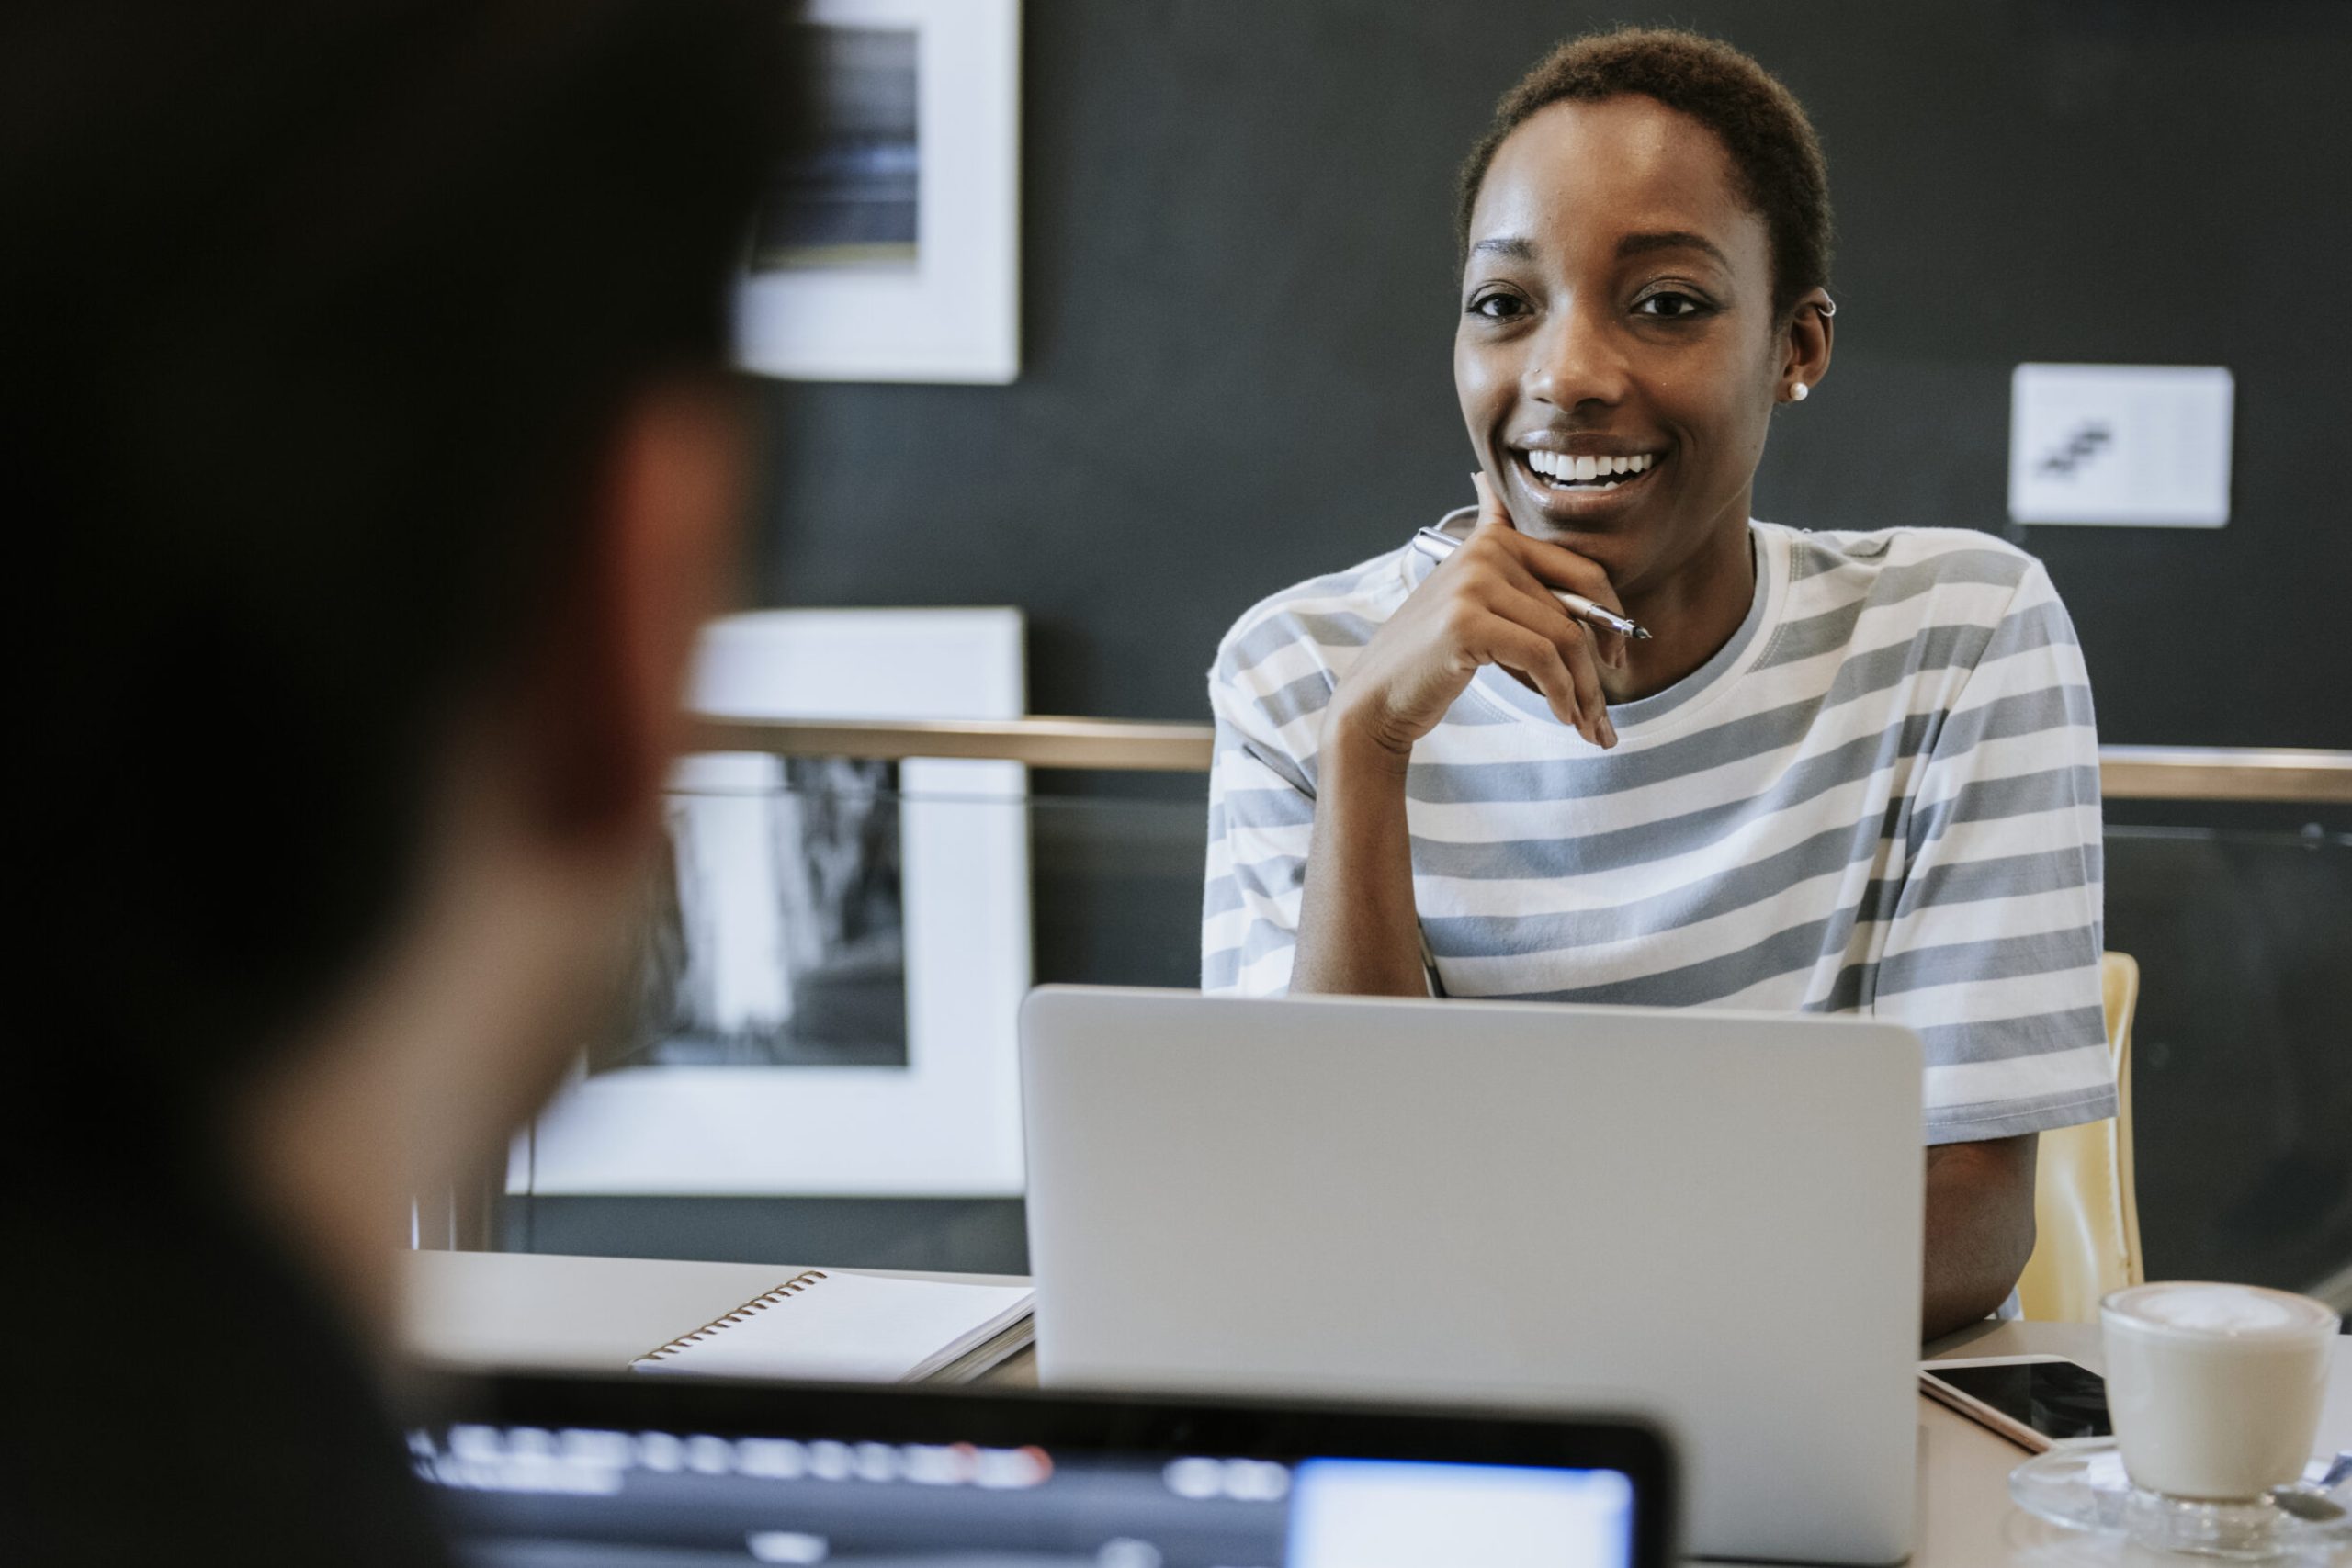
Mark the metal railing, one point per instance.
(1121, 745)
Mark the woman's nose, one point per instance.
(1574, 359)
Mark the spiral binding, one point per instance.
(759, 1304)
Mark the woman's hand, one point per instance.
(1490, 603)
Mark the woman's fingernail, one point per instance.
(1610, 729)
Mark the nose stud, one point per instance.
(1798, 392)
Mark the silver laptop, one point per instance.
(1711, 1218)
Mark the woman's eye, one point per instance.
(1670, 304)
(1497, 306)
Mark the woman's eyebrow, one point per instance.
(1671, 239)
(1514, 247)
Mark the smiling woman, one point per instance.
(1850, 771)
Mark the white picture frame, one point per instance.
(948, 1122)
(953, 315)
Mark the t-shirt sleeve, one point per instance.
(1993, 954)
(1262, 812)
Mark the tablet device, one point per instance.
(613, 1473)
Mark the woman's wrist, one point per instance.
(1352, 747)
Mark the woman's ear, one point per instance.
(1805, 346)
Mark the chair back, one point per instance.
(2085, 1217)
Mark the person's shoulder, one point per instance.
(1960, 553)
(1924, 565)
(1336, 611)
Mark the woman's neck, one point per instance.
(1690, 613)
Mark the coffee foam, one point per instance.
(2226, 1310)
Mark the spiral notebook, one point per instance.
(858, 1328)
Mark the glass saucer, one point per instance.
(2080, 1485)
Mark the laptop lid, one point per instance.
(633, 1472)
(1711, 1216)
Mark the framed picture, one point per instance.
(836, 951)
(889, 250)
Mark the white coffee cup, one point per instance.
(2214, 1390)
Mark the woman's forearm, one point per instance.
(1357, 932)
(1979, 1228)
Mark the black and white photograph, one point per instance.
(829, 952)
(853, 198)
(775, 932)
(887, 245)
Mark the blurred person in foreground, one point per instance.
(361, 409)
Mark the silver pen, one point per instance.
(1437, 543)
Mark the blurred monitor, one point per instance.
(672, 1473)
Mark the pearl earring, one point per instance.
(1798, 392)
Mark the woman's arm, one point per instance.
(1357, 932)
(1980, 1228)
(1490, 602)
(1993, 951)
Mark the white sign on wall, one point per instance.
(2138, 445)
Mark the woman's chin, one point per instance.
(1623, 547)
(1613, 543)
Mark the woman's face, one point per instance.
(1617, 305)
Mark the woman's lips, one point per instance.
(1581, 505)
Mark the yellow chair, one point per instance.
(2086, 1216)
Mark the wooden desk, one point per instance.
(480, 1310)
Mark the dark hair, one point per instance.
(314, 318)
(1776, 159)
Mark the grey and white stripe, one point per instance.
(1880, 796)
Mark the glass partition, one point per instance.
(820, 1038)
(2242, 1049)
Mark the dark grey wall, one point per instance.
(1237, 306)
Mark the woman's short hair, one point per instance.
(1776, 159)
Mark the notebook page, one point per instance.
(850, 1326)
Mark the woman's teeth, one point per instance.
(1601, 473)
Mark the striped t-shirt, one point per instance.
(1880, 797)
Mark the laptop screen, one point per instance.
(1123, 1496)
